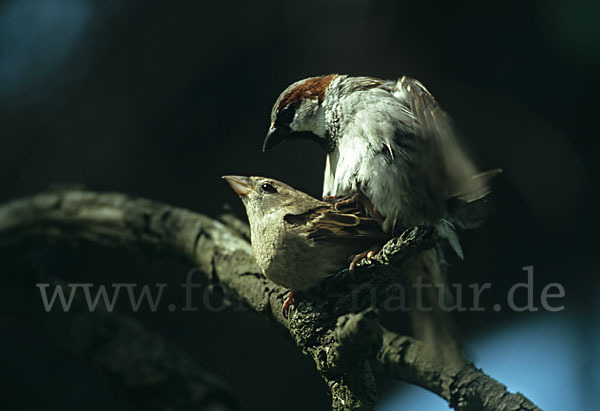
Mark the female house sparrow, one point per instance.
(298, 240)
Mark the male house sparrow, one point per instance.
(386, 140)
(391, 147)
(298, 240)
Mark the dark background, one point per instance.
(160, 99)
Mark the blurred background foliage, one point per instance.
(161, 98)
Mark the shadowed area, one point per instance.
(160, 99)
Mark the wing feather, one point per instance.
(328, 222)
(445, 161)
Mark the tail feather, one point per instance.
(431, 324)
(447, 232)
(470, 209)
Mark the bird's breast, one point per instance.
(386, 181)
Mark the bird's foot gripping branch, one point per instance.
(341, 333)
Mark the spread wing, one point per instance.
(445, 162)
(326, 222)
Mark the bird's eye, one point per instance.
(286, 115)
(268, 188)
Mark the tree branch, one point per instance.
(470, 388)
(341, 332)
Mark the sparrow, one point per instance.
(387, 141)
(298, 240)
(391, 148)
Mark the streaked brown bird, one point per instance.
(297, 240)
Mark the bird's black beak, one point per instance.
(241, 185)
(276, 135)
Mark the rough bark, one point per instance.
(341, 333)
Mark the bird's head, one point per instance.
(264, 196)
(298, 113)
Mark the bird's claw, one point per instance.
(287, 303)
(340, 203)
(365, 255)
(359, 199)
